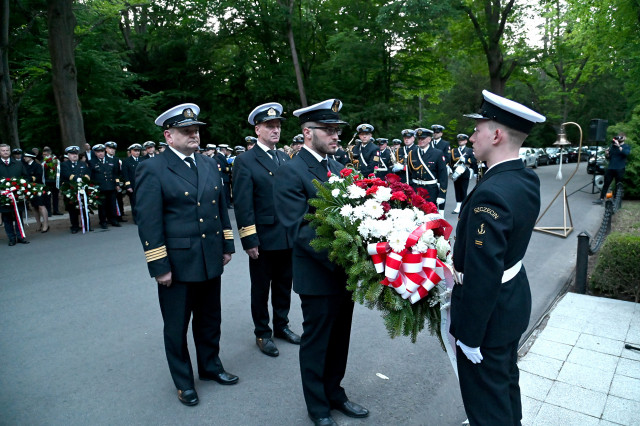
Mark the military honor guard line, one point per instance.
(181, 196)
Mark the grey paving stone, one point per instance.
(578, 399)
(607, 423)
(600, 344)
(540, 365)
(593, 359)
(566, 321)
(622, 411)
(534, 386)
(625, 387)
(560, 335)
(530, 408)
(608, 328)
(550, 415)
(633, 335)
(630, 353)
(629, 368)
(591, 378)
(551, 349)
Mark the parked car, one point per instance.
(529, 157)
(572, 154)
(597, 164)
(543, 157)
(554, 155)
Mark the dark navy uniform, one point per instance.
(367, 156)
(461, 184)
(185, 229)
(129, 167)
(428, 170)
(385, 163)
(401, 157)
(341, 156)
(35, 171)
(443, 146)
(105, 173)
(70, 171)
(15, 169)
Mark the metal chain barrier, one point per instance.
(617, 201)
(605, 227)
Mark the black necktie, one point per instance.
(192, 164)
(324, 164)
(6, 162)
(274, 156)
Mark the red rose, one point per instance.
(329, 174)
(423, 193)
(399, 196)
(429, 207)
(393, 178)
(372, 190)
(417, 201)
(345, 172)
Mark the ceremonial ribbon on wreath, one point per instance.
(84, 209)
(58, 174)
(14, 203)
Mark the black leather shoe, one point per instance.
(74, 230)
(323, 421)
(597, 202)
(103, 226)
(23, 241)
(188, 397)
(122, 219)
(287, 335)
(267, 346)
(223, 378)
(115, 223)
(12, 242)
(58, 214)
(351, 409)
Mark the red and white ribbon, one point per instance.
(412, 275)
(84, 209)
(9, 194)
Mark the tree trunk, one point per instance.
(8, 108)
(294, 57)
(62, 22)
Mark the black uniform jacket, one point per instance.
(69, 172)
(183, 222)
(434, 160)
(15, 169)
(341, 156)
(129, 166)
(385, 160)
(107, 174)
(469, 158)
(313, 273)
(494, 229)
(368, 157)
(445, 147)
(253, 180)
(35, 172)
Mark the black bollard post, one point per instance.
(582, 263)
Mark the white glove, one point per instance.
(473, 354)
(397, 167)
(449, 171)
(439, 201)
(470, 174)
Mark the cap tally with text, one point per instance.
(322, 112)
(266, 112)
(365, 128)
(408, 133)
(422, 133)
(72, 149)
(182, 115)
(507, 112)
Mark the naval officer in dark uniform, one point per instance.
(105, 172)
(262, 235)
(385, 163)
(463, 154)
(427, 168)
(129, 167)
(71, 171)
(327, 307)
(366, 152)
(402, 155)
(490, 307)
(445, 147)
(187, 239)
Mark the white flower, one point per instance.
(397, 240)
(346, 210)
(334, 179)
(442, 245)
(356, 192)
(364, 229)
(359, 212)
(383, 194)
(381, 229)
(373, 208)
(23, 181)
(428, 238)
(335, 192)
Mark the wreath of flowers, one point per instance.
(370, 227)
(51, 167)
(22, 190)
(70, 191)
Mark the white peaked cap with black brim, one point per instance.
(507, 112)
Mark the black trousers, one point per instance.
(490, 390)
(271, 270)
(177, 303)
(51, 200)
(324, 349)
(107, 209)
(461, 185)
(609, 175)
(132, 201)
(10, 223)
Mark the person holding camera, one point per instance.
(617, 154)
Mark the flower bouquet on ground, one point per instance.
(51, 167)
(393, 245)
(82, 193)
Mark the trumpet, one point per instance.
(353, 162)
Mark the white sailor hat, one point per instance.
(239, 148)
(507, 112)
(223, 145)
(437, 128)
(396, 141)
(210, 146)
(408, 133)
(462, 136)
(322, 112)
(111, 144)
(382, 141)
(299, 138)
(182, 115)
(266, 112)
(29, 154)
(251, 139)
(148, 144)
(135, 146)
(365, 128)
(161, 144)
(421, 133)
(74, 149)
(98, 147)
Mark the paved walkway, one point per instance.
(577, 370)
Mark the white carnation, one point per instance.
(346, 210)
(428, 238)
(365, 227)
(381, 229)
(373, 208)
(334, 179)
(356, 192)
(398, 240)
(443, 247)
(359, 212)
(23, 181)
(335, 192)
(383, 194)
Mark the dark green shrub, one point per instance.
(617, 270)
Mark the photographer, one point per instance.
(617, 154)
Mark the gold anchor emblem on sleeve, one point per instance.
(481, 230)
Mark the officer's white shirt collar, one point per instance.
(181, 155)
(315, 154)
(504, 161)
(436, 140)
(265, 148)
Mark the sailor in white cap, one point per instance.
(129, 167)
(490, 307)
(366, 152)
(327, 307)
(262, 235)
(186, 235)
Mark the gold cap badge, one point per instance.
(336, 105)
(271, 112)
